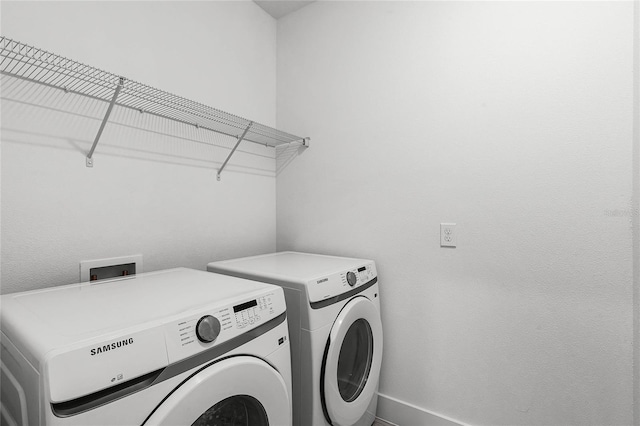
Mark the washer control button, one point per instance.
(351, 278)
(208, 328)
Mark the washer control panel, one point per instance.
(342, 282)
(252, 312)
(213, 326)
(208, 328)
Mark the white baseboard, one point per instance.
(404, 414)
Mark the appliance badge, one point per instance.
(111, 346)
(324, 280)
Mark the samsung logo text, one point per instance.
(112, 346)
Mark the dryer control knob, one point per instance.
(351, 278)
(208, 328)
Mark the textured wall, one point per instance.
(511, 119)
(153, 189)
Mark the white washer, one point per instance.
(333, 308)
(175, 347)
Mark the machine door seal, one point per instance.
(236, 390)
(351, 365)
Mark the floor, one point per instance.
(380, 422)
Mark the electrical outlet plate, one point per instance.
(448, 235)
(87, 265)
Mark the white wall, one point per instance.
(511, 119)
(153, 188)
(636, 209)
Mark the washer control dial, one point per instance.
(351, 278)
(208, 328)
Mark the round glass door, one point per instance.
(236, 391)
(238, 410)
(352, 362)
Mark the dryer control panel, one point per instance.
(216, 325)
(358, 276)
(333, 285)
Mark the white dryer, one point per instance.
(175, 347)
(333, 309)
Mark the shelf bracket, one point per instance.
(234, 148)
(104, 122)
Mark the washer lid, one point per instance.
(87, 308)
(40, 321)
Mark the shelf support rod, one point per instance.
(104, 121)
(234, 148)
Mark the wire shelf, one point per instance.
(39, 66)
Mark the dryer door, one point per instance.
(352, 362)
(236, 391)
